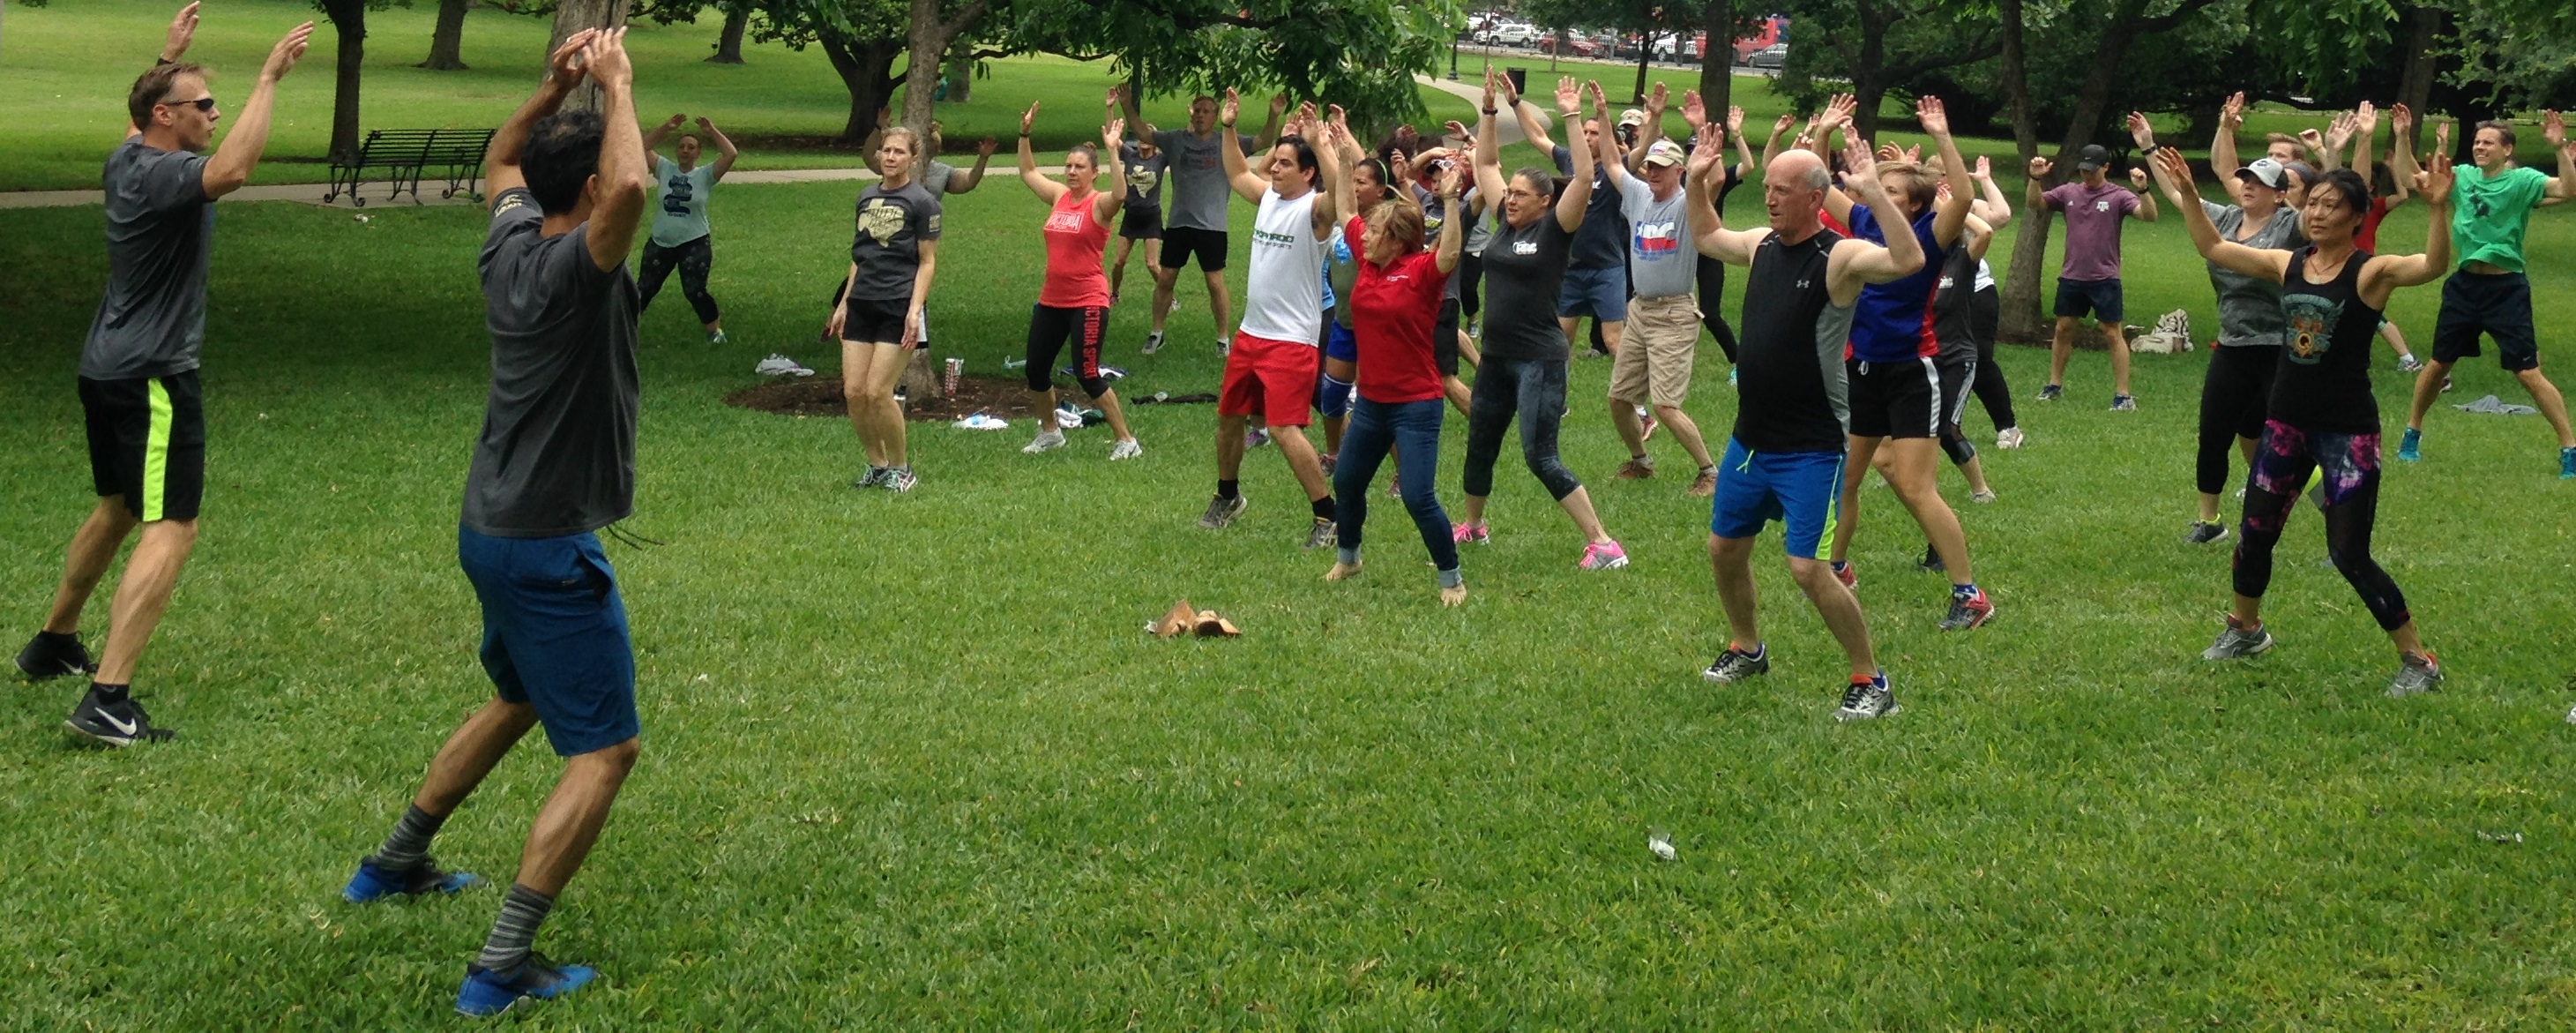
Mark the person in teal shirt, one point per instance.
(2488, 294)
(680, 238)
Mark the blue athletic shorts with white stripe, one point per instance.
(1802, 490)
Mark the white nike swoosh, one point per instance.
(122, 727)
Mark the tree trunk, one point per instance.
(959, 74)
(572, 16)
(930, 38)
(1716, 67)
(1564, 39)
(2415, 87)
(2021, 320)
(1645, 55)
(447, 41)
(349, 19)
(867, 71)
(729, 42)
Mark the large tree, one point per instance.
(862, 38)
(729, 39)
(1874, 46)
(447, 39)
(348, 20)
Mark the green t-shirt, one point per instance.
(2489, 213)
(682, 215)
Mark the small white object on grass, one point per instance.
(1662, 844)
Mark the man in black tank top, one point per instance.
(1784, 460)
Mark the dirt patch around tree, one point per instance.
(821, 396)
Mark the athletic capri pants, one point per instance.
(2233, 398)
(2283, 459)
(1050, 328)
(1534, 390)
(693, 259)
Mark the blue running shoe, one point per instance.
(487, 993)
(2410, 447)
(374, 883)
(2566, 463)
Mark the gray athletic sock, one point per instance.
(521, 912)
(409, 844)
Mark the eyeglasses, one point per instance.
(204, 105)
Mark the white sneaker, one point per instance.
(1068, 418)
(2009, 437)
(777, 365)
(1153, 343)
(1128, 449)
(1046, 441)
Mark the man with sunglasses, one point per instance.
(138, 371)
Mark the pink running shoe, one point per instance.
(1604, 556)
(1466, 534)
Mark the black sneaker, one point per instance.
(2205, 533)
(49, 655)
(1931, 559)
(117, 724)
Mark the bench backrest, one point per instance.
(425, 146)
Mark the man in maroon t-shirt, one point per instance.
(2089, 284)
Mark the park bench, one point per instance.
(404, 154)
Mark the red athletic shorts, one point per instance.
(1271, 379)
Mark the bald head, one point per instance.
(1793, 189)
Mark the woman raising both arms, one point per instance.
(2321, 415)
(1074, 304)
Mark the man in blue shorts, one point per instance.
(2089, 284)
(1784, 460)
(554, 464)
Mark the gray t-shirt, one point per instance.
(887, 247)
(935, 175)
(682, 215)
(1144, 176)
(2249, 310)
(1479, 230)
(557, 452)
(160, 226)
(1199, 189)
(1658, 265)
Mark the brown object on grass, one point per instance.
(820, 395)
(1183, 619)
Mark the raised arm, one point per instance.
(725, 152)
(1109, 188)
(2365, 125)
(1953, 213)
(2338, 134)
(1649, 132)
(1992, 208)
(1859, 262)
(2386, 273)
(1534, 124)
(1743, 149)
(2553, 128)
(2034, 190)
(2401, 155)
(1126, 100)
(2146, 210)
(1571, 204)
(1708, 233)
(1269, 137)
(2261, 263)
(501, 172)
(653, 140)
(1048, 190)
(174, 45)
(1771, 147)
(1605, 153)
(1337, 137)
(230, 167)
(876, 138)
(1487, 161)
(2179, 191)
(966, 182)
(1453, 217)
(1237, 174)
(1328, 179)
(623, 179)
(2222, 149)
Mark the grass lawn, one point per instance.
(909, 759)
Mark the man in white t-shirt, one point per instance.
(1271, 368)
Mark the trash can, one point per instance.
(1520, 81)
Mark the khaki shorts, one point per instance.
(1654, 363)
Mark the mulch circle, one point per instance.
(821, 396)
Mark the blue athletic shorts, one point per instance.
(1339, 342)
(1802, 490)
(2099, 299)
(1599, 293)
(554, 635)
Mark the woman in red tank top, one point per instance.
(1074, 304)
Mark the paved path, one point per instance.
(1508, 129)
(311, 193)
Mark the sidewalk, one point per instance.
(311, 193)
(1506, 128)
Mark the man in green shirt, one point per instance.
(2488, 293)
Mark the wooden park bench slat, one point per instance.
(405, 154)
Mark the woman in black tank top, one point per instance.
(2322, 425)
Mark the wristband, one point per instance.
(159, 61)
(1492, 111)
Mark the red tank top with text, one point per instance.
(1074, 241)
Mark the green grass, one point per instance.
(909, 760)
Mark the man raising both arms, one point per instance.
(1655, 366)
(2489, 293)
(1784, 460)
(1196, 223)
(1270, 370)
(2089, 282)
(555, 462)
(138, 372)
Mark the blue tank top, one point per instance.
(1894, 321)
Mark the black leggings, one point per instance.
(1712, 290)
(693, 260)
(1049, 330)
(1955, 378)
(2348, 527)
(1985, 318)
(1534, 389)
(1471, 273)
(2233, 396)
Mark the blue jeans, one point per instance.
(1413, 430)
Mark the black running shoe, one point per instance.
(49, 655)
(1931, 559)
(2205, 533)
(118, 724)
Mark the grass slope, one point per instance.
(909, 760)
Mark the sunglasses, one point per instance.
(204, 105)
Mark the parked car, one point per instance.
(1772, 56)
(1513, 34)
(1576, 46)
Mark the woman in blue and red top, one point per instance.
(2322, 419)
(1074, 304)
(1395, 305)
